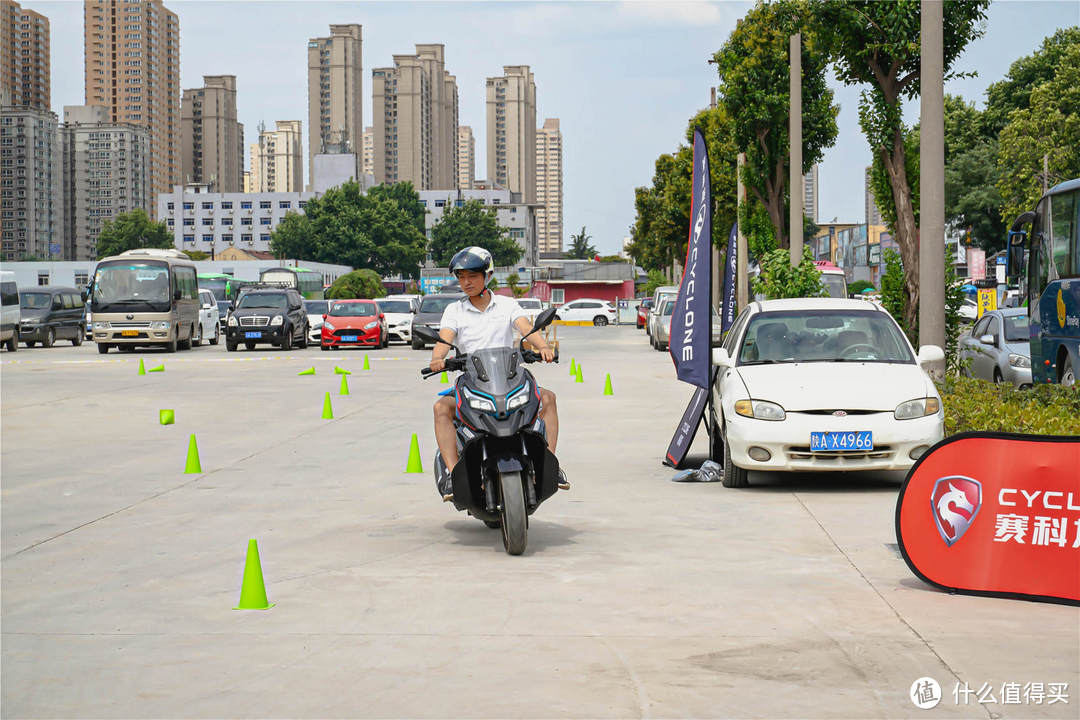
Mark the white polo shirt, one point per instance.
(476, 330)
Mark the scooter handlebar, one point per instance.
(452, 364)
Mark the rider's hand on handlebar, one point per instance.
(548, 354)
(437, 364)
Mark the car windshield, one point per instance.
(353, 309)
(1016, 328)
(529, 304)
(436, 304)
(223, 305)
(131, 283)
(822, 336)
(667, 308)
(316, 307)
(835, 285)
(275, 301)
(394, 306)
(35, 301)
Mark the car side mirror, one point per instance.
(720, 357)
(85, 294)
(930, 354)
(987, 340)
(324, 316)
(1014, 256)
(382, 315)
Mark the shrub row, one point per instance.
(972, 404)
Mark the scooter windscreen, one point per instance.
(496, 393)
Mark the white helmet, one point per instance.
(473, 258)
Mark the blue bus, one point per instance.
(1049, 274)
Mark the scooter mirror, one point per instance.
(426, 334)
(543, 319)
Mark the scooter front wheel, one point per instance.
(515, 527)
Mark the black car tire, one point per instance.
(217, 335)
(249, 345)
(716, 445)
(30, 343)
(286, 339)
(303, 342)
(734, 477)
(102, 348)
(599, 321)
(77, 340)
(173, 343)
(13, 341)
(50, 338)
(196, 340)
(185, 344)
(997, 376)
(231, 347)
(1068, 377)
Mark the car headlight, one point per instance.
(479, 403)
(159, 325)
(519, 398)
(102, 325)
(328, 325)
(917, 408)
(760, 410)
(316, 325)
(232, 321)
(277, 320)
(1019, 361)
(372, 324)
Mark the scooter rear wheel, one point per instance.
(515, 528)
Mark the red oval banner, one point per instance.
(995, 514)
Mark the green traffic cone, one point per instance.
(166, 417)
(142, 368)
(253, 589)
(309, 371)
(444, 378)
(341, 371)
(414, 465)
(573, 366)
(579, 378)
(344, 385)
(327, 411)
(193, 465)
(159, 368)
(607, 385)
(367, 365)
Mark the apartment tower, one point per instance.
(415, 112)
(24, 57)
(212, 140)
(511, 131)
(810, 194)
(549, 187)
(95, 191)
(466, 155)
(132, 59)
(335, 91)
(368, 160)
(277, 159)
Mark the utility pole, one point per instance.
(741, 290)
(795, 174)
(932, 181)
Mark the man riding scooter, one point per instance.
(482, 320)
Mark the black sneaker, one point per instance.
(564, 484)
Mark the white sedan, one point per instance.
(209, 320)
(598, 312)
(821, 384)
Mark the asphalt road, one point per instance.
(637, 597)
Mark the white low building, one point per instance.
(510, 212)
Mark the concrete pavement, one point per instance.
(637, 597)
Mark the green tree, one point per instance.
(131, 230)
(893, 290)
(754, 82)
(346, 227)
(1050, 128)
(580, 247)
(357, 284)
(472, 224)
(405, 195)
(877, 44)
(513, 282)
(859, 286)
(197, 254)
(656, 279)
(779, 279)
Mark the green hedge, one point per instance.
(972, 404)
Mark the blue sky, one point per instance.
(623, 77)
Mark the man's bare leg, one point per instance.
(549, 413)
(445, 434)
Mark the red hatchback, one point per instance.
(354, 323)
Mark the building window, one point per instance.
(43, 277)
(264, 204)
(81, 279)
(302, 204)
(208, 238)
(558, 296)
(208, 221)
(226, 204)
(208, 206)
(245, 204)
(246, 237)
(459, 203)
(189, 238)
(285, 204)
(227, 238)
(440, 203)
(245, 221)
(189, 206)
(170, 222)
(226, 221)
(264, 238)
(189, 222)
(264, 221)
(170, 206)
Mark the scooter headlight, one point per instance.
(519, 398)
(478, 403)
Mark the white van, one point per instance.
(10, 315)
(659, 295)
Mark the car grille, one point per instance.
(802, 452)
(830, 412)
(255, 321)
(130, 324)
(346, 331)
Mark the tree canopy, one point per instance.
(357, 284)
(754, 82)
(345, 226)
(131, 230)
(472, 224)
(580, 247)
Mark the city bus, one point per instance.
(144, 297)
(224, 287)
(308, 283)
(1049, 279)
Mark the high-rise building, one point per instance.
(277, 159)
(369, 151)
(810, 194)
(335, 91)
(415, 112)
(211, 138)
(549, 186)
(24, 56)
(32, 222)
(106, 171)
(466, 156)
(872, 212)
(132, 65)
(511, 131)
